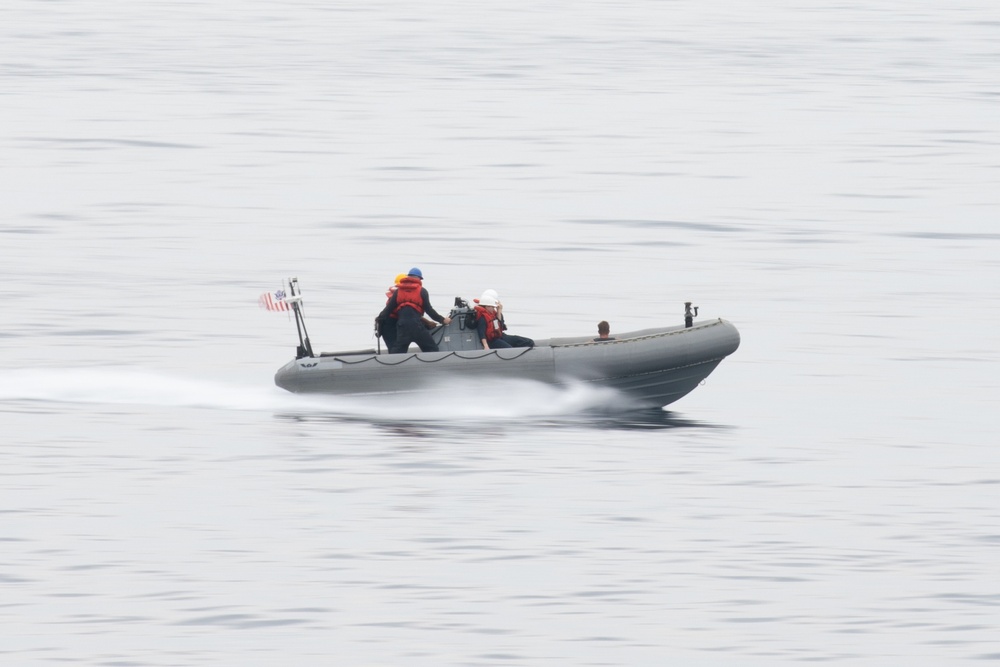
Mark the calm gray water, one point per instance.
(823, 176)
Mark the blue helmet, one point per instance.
(417, 273)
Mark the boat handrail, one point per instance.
(370, 350)
(628, 336)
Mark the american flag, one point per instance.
(274, 300)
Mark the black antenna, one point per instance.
(295, 294)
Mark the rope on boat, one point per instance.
(416, 356)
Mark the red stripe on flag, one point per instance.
(267, 301)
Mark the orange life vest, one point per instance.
(408, 295)
(493, 329)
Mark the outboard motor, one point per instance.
(689, 315)
(461, 333)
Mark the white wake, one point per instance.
(455, 401)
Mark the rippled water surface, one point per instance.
(823, 176)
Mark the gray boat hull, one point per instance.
(654, 366)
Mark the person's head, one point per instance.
(400, 277)
(603, 328)
(416, 273)
(487, 300)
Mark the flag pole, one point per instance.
(305, 347)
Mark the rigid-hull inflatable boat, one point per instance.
(654, 366)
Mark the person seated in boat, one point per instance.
(510, 339)
(406, 307)
(603, 331)
(385, 326)
(488, 323)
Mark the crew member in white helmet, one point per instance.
(510, 339)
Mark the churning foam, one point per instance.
(452, 401)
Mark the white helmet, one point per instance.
(487, 299)
(492, 293)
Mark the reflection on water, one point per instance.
(613, 420)
(652, 419)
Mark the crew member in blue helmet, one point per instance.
(407, 307)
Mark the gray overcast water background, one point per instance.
(823, 175)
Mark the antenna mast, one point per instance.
(295, 298)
